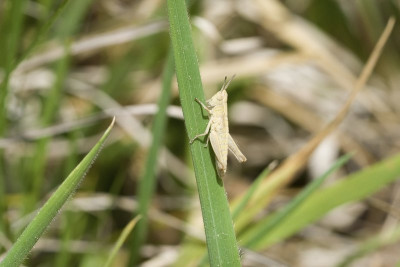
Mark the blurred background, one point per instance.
(79, 63)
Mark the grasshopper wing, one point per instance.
(219, 143)
(235, 149)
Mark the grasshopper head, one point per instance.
(218, 99)
(221, 96)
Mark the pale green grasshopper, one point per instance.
(218, 129)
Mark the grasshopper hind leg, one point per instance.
(232, 146)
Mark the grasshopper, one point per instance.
(218, 130)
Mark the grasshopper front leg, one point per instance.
(208, 125)
(204, 106)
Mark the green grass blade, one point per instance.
(11, 33)
(50, 109)
(237, 209)
(72, 16)
(148, 179)
(373, 244)
(11, 28)
(243, 202)
(35, 229)
(10, 43)
(220, 235)
(353, 188)
(44, 29)
(278, 218)
(124, 235)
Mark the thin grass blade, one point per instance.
(352, 188)
(293, 205)
(148, 179)
(286, 171)
(20, 250)
(220, 235)
(243, 201)
(124, 235)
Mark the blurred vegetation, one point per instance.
(68, 67)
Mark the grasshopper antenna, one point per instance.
(226, 84)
